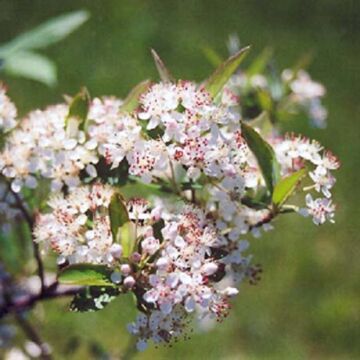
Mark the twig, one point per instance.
(29, 219)
(268, 218)
(32, 334)
(28, 301)
(173, 178)
(22, 208)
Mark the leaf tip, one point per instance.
(164, 73)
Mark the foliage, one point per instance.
(18, 55)
(266, 291)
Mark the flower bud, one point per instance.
(230, 291)
(129, 282)
(135, 257)
(116, 251)
(209, 269)
(125, 269)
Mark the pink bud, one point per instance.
(125, 269)
(116, 250)
(136, 257)
(129, 282)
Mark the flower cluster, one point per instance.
(156, 197)
(293, 153)
(192, 126)
(77, 228)
(189, 266)
(42, 146)
(285, 95)
(306, 94)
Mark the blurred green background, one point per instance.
(307, 305)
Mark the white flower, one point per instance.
(209, 268)
(321, 209)
(41, 145)
(305, 87)
(160, 99)
(150, 245)
(8, 111)
(323, 182)
(74, 234)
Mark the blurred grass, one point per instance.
(307, 304)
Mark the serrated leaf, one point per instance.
(286, 186)
(222, 74)
(47, 33)
(93, 298)
(31, 66)
(164, 73)
(86, 274)
(118, 214)
(79, 108)
(264, 154)
(131, 102)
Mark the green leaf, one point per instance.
(258, 65)
(47, 33)
(127, 237)
(93, 298)
(265, 100)
(31, 66)
(286, 186)
(262, 122)
(221, 75)
(164, 73)
(253, 204)
(118, 214)
(79, 108)
(136, 188)
(132, 100)
(86, 274)
(212, 56)
(264, 154)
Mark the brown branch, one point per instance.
(268, 218)
(28, 301)
(22, 208)
(29, 219)
(33, 335)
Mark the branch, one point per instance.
(32, 334)
(29, 219)
(268, 218)
(26, 302)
